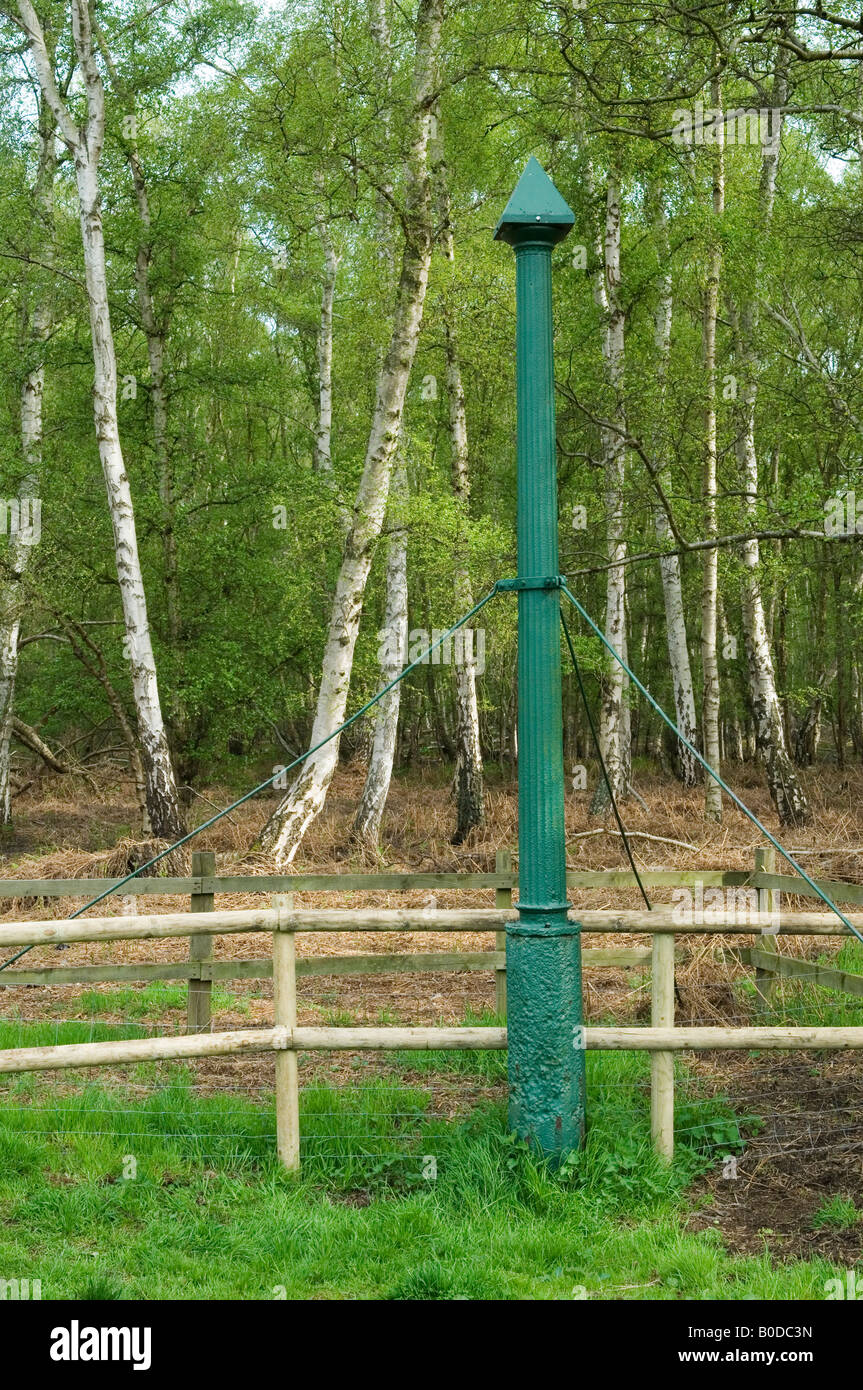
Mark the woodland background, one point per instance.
(302, 340)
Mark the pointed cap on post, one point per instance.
(535, 206)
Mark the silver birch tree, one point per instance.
(286, 827)
(710, 572)
(84, 142)
(393, 645)
(468, 779)
(614, 733)
(783, 782)
(38, 318)
(393, 637)
(669, 565)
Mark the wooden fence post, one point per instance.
(285, 1015)
(765, 979)
(662, 1063)
(502, 899)
(198, 1015)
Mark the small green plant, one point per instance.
(839, 1212)
(722, 1133)
(339, 1018)
(427, 1281)
(100, 1288)
(433, 1281)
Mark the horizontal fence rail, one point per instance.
(477, 919)
(393, 1038)
(351, 883)
(261, 967)
(282, 920)
(420, 882)
(785, 967)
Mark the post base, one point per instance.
(544, 1028)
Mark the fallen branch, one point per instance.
(201, 797)
(29, 737)
(634, 835)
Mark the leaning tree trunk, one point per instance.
(155, 327)
(155, 334)
(393, 641)
(807, 738)
(40, 318)
(93, 661)
(614, 713)
(286, 827)
(687, 766)
(162, 801)
(393, 638)
(85, 145)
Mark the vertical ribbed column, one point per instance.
(544, 1010)
(542, 854)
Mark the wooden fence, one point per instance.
(283, 920)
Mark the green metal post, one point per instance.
(543, 949)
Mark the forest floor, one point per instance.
(767, 1194)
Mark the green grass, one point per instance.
(52, 1032)
(393, 1202)
(152, 1001)
(800, 1001)
(849, 957)
(155, 1000)
(839, 1212)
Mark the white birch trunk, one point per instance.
(710, 573)
(785, 788)
(154, 332)
(468, 779)
(85, 145)
(155, 335)
(323, 457)
(614, 715)
(857, 673)
(393, 639)
(285, 829)
(669, 566)
(10, 623)
(17, 559)
(161, 791)
(39, 319)
(324, 428)
(468, 772)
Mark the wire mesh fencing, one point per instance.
(373, 1119)
(764, 1136)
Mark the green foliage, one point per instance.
(257, 128)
